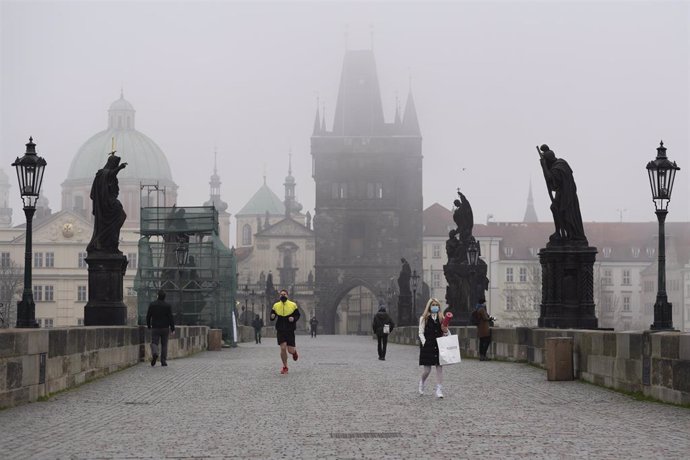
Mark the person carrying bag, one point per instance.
(382, 325)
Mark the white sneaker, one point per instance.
(421, 388)
(438, 391)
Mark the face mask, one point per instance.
(283, 298)
(435, 309)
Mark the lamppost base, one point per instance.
(26, 315)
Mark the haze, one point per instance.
(601, 83)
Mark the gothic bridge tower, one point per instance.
(368, 176)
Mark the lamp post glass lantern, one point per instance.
(415, 281)
(472, 261)
(662, 174)
(30, 169)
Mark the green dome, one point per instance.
(145, 160)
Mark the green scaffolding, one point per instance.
(180, 252)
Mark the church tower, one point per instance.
(368, 197)
(530, 213)
(220, 205)
(292, 207)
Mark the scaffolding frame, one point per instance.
(180, 251)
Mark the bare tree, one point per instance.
(11, 285)
(524, 298)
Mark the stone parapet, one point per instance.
(37, 362)
(655, 364)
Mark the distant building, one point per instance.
(60, 276)
(368, 197)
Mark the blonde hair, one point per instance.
(427, 309)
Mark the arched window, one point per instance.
(78, 203)
(246, 235)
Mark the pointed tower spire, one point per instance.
(323, 117)
(398, 121)
(214, 183)
(530, 213)
(358, 111)
(317, 119)
(291, 204)
(410, 122)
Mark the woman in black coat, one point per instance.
(430, 328)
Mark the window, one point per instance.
(626, 277)
(81, 293)
(5, 259)
(78, 203)
(49, 293)
(48, 322)
(436, 279)
(38, 293)
(50, 259)
(607, 279)
(674, 285)
(626, 303)
(246, 235)
(132, 259)
(650, 252)
(436, 251)
(40, 322)
(510, 302)
(508, 252)
(82, 260)
(38, 259)
(509, 274)
(607, 302)
(379, 191)
(636, 252)
(523, 274)
(342, 191)
(648, 286)
(80, 321)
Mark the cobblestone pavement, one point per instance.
(338, 401)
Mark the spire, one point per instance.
(214, 183)
(291, 204)
(398, 121)
(323, 117)
(317, 119)
(530, 213)
(359, 111)
(410, 122)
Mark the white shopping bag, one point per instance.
(448, 350)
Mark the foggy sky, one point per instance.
(601, 83)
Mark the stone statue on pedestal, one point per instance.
(109, 216)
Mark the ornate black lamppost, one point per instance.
(246, 301)
(30, 176)
(472, 261)
(182, 257)
(252, 297)
(415, 281)
(662, 173)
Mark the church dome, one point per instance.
(145, 160)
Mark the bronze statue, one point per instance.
(463, 218)
(109, 216)
(404, 278)
(565, 206)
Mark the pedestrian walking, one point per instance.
(285, 313)
(257, 324)
(484, 323)
(313, 324)
(382, 326)
(159, 319)
(431, 328)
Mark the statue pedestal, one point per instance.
(567, 287)
(405, 310)
(105, 306)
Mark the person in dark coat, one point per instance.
(159, 319)
(484, 322)
(381, 320)
(430, 328)
(257, 324)
(313, 324)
